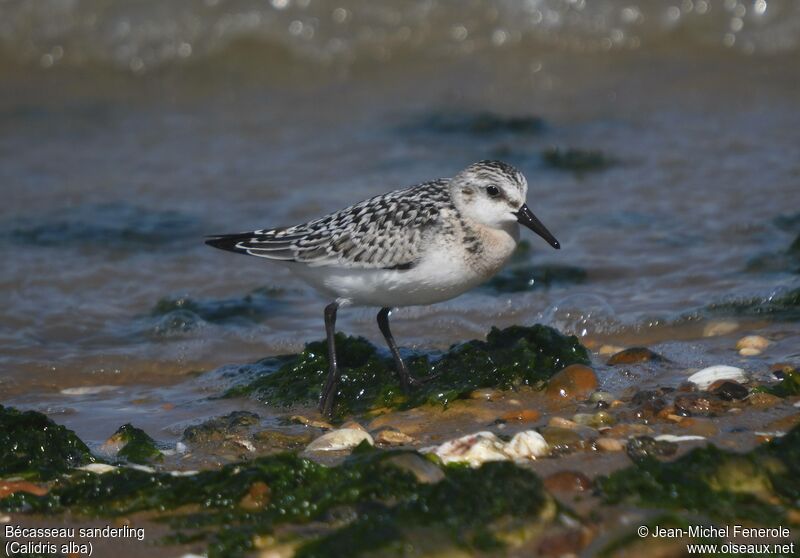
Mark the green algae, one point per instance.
(364, 505)
(508, 359)
(577, 160)
(137, 445)
(759, 486)
(788, 386)
(33, 446)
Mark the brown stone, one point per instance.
(567, 481)
(763, 400)
(562, 544)
(353, 425)
(700, 427)
(698, 404)
(10, 487)
(256, 498)
(573, 382)
(729, 390)
(609, 444)
(299, 419)
(562, 440)
(521, 415)
(561, 422)
(635, 355)
(628, 430)
(391, 437)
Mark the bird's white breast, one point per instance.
(447, 269)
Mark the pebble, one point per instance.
(567, 481)
(599, 396)
(341, 439)
(527, 445)
(256, 498)
(749, 351)
(645, 446)
(763, 400)
(5, 519)
(700, 427)
(390, 437)
(10, 487)
(354, 425)
(474, 449)
(629, 430)
(522, 415)
(486, 394)
(608, 350)
(425, 471)
(609, 444)
(562, 439)
(305, 421)
(719, 327)
(595, 420)
(481, 447)
(576, 381)
(707, 376)
(752, 345)
(561, 422)
(729, 390)
(698, 404)
(635, 355)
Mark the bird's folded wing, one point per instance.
(385, 232)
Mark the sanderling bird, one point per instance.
(419, 245)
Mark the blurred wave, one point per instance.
(141, 35)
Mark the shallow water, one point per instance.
(121, 148)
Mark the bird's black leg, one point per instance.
(406, 379)
(329, 391)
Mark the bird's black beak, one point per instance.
(526, 217)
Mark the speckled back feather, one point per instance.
(385, 232)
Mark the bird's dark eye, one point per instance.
(493, 191)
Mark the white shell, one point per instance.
(341, 439)
(708, 376)
(475, 449)
(88, 390)
(527, 445)
(97, 468)
(673, 438)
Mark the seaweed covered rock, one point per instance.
(33, 446)
(132, 444)
(237, 508)
(761, 486)
(509, 358)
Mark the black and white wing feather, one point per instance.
(384, 232)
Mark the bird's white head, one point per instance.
(493, 194)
